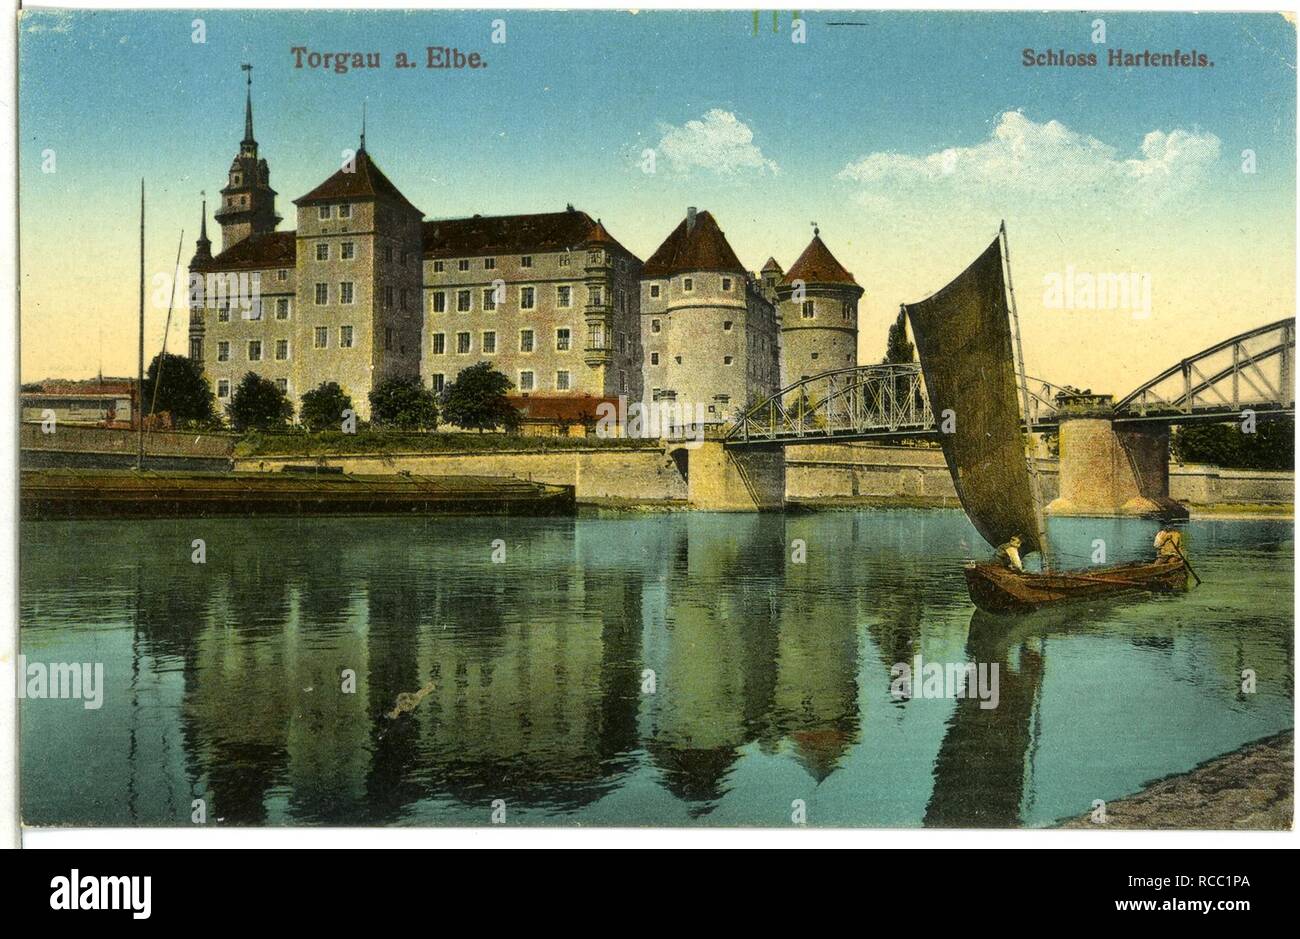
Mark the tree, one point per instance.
(1270, 447)
(898, 350)
(322, 408)
(183, 392)
(258, 404)
(403, 403)
(476, 400)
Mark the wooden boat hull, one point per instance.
(999, 590)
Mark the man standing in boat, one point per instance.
(1009, 554)
(1169, 544)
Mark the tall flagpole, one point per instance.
(139, 381)
(1024, 403)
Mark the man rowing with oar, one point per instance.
(1169, 544)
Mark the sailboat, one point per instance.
(968, 340)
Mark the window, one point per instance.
(726, 360)
(525, 381)
(345, 291)
(388, 254)
(438, 267)
(345, 337)
(620, 300)
(597, 298)
(223, 314)
(440, 301)
(348, 250)
(622, 381)
(654, 358)
(688, 284)
(726, 326)
(462, 343)
(388, 298)
(490, 298)
(223, 388)
(847, 311)
(806, 311)
(255, 309)
(677, 359)
(726, 284)
(654, 290)
(489, 343)
(321, 337)
(463, 300)
(283, 385)
(564, 296)
(282, 308)
(462, 264)
(323, 251)
(527, 298)
(439, 382)
(402, 303)
(281, 349)
(562, 339)
(562, 380)
(526, 261)
(322, 294)
(525, 340)
(654, 326)
(489, 264)
(196, 349)
(388, 338)
(564, 259)
(223, 352)
(282, 274)
(439, 343)
(323, 212)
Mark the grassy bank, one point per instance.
(336, 443)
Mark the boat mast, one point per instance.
(139, 381)
(1024, 401)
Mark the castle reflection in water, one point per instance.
(659, 669)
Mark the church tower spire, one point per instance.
(248, 201)
(202, 247)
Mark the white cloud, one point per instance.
(1045, 159)
(721, 143)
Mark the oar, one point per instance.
(1188, 566)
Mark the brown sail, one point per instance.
(963, 338)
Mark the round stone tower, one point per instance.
(818, 303)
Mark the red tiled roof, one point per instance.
(544, 232)
(366, 181)
(576, 408)
(817, 266)
(771, 265)
(91, 387)
(256, 252)
(703, 247)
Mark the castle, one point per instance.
(364, 288)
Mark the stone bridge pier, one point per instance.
(1105, 470)
(738, 479)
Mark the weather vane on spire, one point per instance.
(816, 231)
(249, 69)
(363, 123)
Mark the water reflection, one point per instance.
(670, 669)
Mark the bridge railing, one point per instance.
(861, 401)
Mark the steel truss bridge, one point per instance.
(1254, 370)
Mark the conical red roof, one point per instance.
(698, 247)
(366, 181)
(817, 266)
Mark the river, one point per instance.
(660, 669)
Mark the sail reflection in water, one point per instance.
(676, 670)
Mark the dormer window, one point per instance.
(526, 260)
(324, 211)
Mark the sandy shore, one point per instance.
(1249, 788)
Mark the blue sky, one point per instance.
(784, 134)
